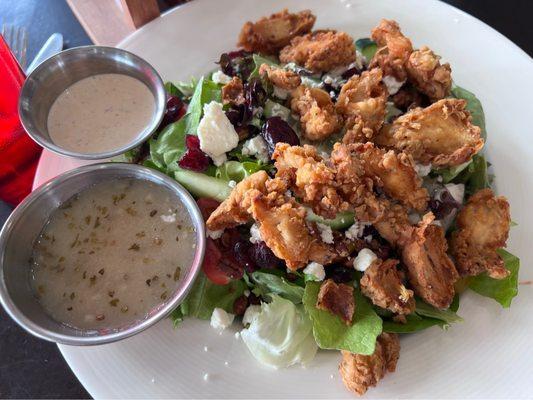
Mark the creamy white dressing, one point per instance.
(100, 113)
(106, 258)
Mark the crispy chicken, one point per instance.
(337, 299)
(394, 49)
(428, 75)
(362, 100)
(318, 118)
(441, 134)
(359, 372)
(233, 92)
(482, 227)
(382, 283)
(320, 51)
(269, 35)
(282, 78)
(429, 269)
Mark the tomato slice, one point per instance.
(211, 265)
(207, 206)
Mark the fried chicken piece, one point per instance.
(337, 299)
(429, 269)
(408, 98)
(394, 49)
(441, 134)
(234, 210)
(282, 78)
(483, 226)
(320, 51)
(310, 178)
(363, 100)
(359, 372)
(269, 35)
(382, 283)
(233, 92)
(428, 75)
(318, 118)
(395, 173)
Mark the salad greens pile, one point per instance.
(288, 327)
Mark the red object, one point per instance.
(19, 154)
(211, 265)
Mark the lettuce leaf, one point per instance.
(201, 185)
(205, 92)
(342, 220)
(473, 105)
(449, 174)
(331, 332)
(367, 47)
(501, 290)
(169, 147)
(259, 60)
(474, 176)
(205, 296)
(237, 171)
(268, 283)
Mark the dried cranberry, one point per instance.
(276, 130)
(174, 110)
(229, 238)
(242, 250)
(254, 300)
(236, 115)
(240, 304)
(443, 205)
(264, 257)
(194, 158)
(237, 63)
(350, 72)
(291, 277)
(254, 93)
(229, 265)
(340, 273)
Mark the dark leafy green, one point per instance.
(449, 174)
(501, 290)
(237, 171)
(259, 60)
(474, 106)
(273, 284)
(331, 332)
(474, 176)
(169, 147)
(367, 47)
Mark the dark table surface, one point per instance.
(32, 368)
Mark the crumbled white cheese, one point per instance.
(232, 184)
(246, 292)
(280, 93)
(278, 110)
(169, 219)
(220, 77)
(393, 85)
(316, 270)
(255, 234)
(220, 319)
(219, 160)
(311, 82)
(216, 133)
(257, 147)
(214, 234)
(364, 259)
(326, 234)
(457, 191)
(368, 238)
(422, 170)
(250, 314)
(356, 230)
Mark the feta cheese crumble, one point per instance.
(257, 147)
(220, 78)
(220, 319)
(214, 234)
(356, 230)
(364, 259)
(278, 110)
(280, 93)
(216, 133)
(457, 191)
(393, 85)
(316, 270)
(326, 234)
(422, 170)
(255, 234)
(232, 184)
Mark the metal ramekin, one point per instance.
(53, 76)
(27, 221)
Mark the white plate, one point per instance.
(487, 356)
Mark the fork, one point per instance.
(17, 39)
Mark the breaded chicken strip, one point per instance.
(318, 118)
(337, 299)
(270, 34)
(311, 179)
(483, 226)
(320, 51)
(283, 228)
(392, 223)
(282, 78)
(441, 134)
(234, 210)
(394, 49)
(382, 283)
(363, 100)
(359, 372)
(395, 173)
(233, 92)
(429, 269)
(427, 74)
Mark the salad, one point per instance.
(346, 195)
